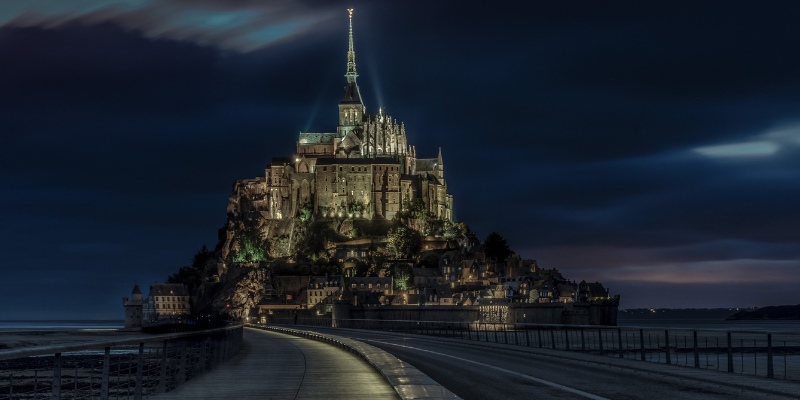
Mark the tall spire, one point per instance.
(351, 53)
(351, 92)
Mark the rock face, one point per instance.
(242, 290)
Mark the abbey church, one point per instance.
(364, 170)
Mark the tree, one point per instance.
(252, 247)
(401, 274)
(306, 212)
(453, 230)
(202, 258)
(402, 241)
(193, 275)
(495, 246)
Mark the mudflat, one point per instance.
(12, 340)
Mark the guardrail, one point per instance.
(132, 368)
(768, 354)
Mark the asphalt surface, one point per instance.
(278, 366)
(475, 371)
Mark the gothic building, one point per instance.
(365, 169)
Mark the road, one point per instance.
(475, 371)
(277, 366)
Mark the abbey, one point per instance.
(364, 170)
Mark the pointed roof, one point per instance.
(351, 93)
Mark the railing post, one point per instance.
(137, 394)
(566, 339)
(666, 346)
(202, 359)
(583, 341)
(641, 343)
(182, 365)
(56, 392)
(539, 336)
(106, 373)
(552, 338)
(600, 339)
(696, 353)
(619, 343)
(770, 370)
(527, 337)
(730, 353)
(162, 378)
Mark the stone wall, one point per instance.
(596, 313)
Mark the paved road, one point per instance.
(277, 366)
(476, 371)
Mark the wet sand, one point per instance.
(14, 340)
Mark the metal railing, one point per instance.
(132, 368)
(768, 354)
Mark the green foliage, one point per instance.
(355, 209)
(305, 212)
(414, 208)
(453, 230)
(252, 246)
(495, 246)
(401, 274)
(402, 242)
(311, 241)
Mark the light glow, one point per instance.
(748, 149)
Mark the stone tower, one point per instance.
(351, 107)
(133, 309)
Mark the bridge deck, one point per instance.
(277, 366)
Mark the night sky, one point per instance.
(653, 146)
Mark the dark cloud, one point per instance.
(124, 128)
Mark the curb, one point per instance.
(407, 381)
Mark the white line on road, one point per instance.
(524, 376)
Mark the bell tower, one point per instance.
(351, 108)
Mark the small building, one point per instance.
(168, 300)
(133, 308)
(381, 285)
(427, 277)
(323, 290)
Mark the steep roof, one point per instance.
(426, 164)
(351, 94)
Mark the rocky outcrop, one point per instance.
(243, 288)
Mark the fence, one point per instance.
(768, 354)
(133, 368)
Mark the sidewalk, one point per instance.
(277, 366)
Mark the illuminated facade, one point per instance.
(167, 300)
(365, 169)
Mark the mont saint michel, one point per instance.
(355, 225)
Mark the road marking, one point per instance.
(528, 377)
